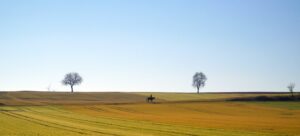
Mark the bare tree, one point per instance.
(199, 80)
(49, 87)
(291, 87)
(72, 79)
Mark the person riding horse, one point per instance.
(150, 99)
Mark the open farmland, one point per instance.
(33, 113)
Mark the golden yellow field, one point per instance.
(135, 118)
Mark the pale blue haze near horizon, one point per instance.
(150, 45)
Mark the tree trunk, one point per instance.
(198, 90)
(71, 88)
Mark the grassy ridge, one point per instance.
(57, 98)
(50, 98)
(207, 96)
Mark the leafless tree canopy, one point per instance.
(199, 80)
(291, 87)
(72, 79)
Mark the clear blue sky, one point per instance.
(150, 45)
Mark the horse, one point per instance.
(150, 99)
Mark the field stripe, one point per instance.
(54, 125)
(123, 127)
(38, 122)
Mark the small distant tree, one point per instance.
(49, 87)
(72, 79)
(199, 80)
(291, 87)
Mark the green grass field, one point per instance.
(127, 114)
